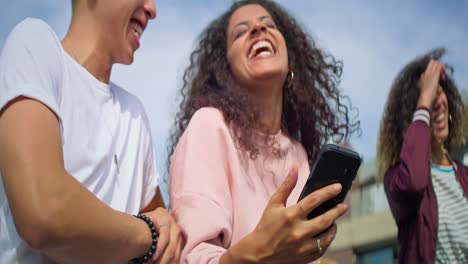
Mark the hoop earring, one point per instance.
(450, 123)
(291, 75)
(450, 129)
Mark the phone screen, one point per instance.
(334, 164)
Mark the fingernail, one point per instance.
(345, 206)
(337, 187)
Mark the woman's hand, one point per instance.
(285, 235)
(429, 83)
(170, 241)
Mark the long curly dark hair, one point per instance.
(401, 104)
(314, 108)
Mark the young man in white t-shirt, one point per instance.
(76, 159)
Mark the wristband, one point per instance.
(154, 241)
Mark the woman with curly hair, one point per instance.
(426, 189)
(259, 98)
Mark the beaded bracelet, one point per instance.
(154, 243)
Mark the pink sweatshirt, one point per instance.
(217, 192)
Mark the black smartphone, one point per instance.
(334, 164)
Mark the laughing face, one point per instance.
(440, 116)
(123, 23)
(256, 49)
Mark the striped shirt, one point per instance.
(452, 236)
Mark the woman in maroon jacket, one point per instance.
(426, 189)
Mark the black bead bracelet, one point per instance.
(154, 236)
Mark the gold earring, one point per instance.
(291, 74)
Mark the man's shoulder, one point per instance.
(33, 31)
(32, 40)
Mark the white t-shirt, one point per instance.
(106, 137)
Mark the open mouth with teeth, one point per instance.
(439, 120)
(261, 49)
(136, 26)
(440, 117)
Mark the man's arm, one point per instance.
(52, 211)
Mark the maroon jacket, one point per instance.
(411, 196)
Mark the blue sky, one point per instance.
(374, 39)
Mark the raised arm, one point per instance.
(406, 181)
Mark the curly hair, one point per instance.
(400, 107)
(313, 106)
